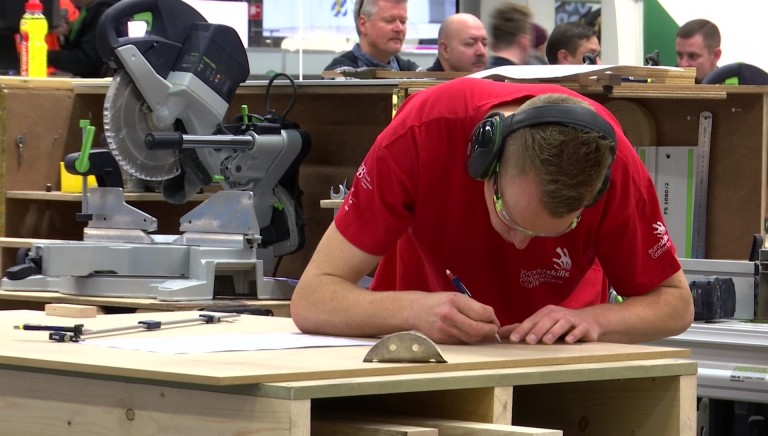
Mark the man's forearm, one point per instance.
(336, 307)
(661, 313)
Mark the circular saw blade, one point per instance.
(127, 119)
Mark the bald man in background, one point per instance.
(461, 45)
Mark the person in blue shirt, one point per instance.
(381, 26)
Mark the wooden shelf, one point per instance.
(331, 204)
(50, 83)
(37, 300)
(66, 196)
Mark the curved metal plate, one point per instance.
(405, 347)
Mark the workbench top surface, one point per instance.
(33, 350)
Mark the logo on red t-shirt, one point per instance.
(564, 261)
(365, 179)
(560, 271)
(664, 244)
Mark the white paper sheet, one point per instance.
(552, 71)
(235, 342)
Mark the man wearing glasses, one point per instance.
(381, 27)
(517, 189)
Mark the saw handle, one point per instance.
(102, 165)
(177, 141)
(82, 164)
(164, 141)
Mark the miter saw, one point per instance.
(163, 117)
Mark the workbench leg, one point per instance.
(688, 413)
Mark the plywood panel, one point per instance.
(448, 427)
(43, 125)
(642, 407)
(356, 427)
(53, 404)
(489, 404)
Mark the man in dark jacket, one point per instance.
(79, 56)
(510, 35)
(381, 28)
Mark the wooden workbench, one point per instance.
(587, 388)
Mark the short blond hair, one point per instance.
(508, 22)
(570, 163)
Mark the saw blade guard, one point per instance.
(160, 46)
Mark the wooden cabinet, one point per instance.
(343, 118)
(736, 207)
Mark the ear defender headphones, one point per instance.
(487, 141)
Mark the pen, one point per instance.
(637, 79)
(458, 284)
(463, 289)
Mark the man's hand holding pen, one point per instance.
(457, 283)
(453, 318)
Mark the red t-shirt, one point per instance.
(413, 202)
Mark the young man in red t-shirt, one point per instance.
(520, 215)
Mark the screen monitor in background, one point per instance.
(10, 15)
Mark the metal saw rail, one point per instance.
(75, 333)
(731, 356)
